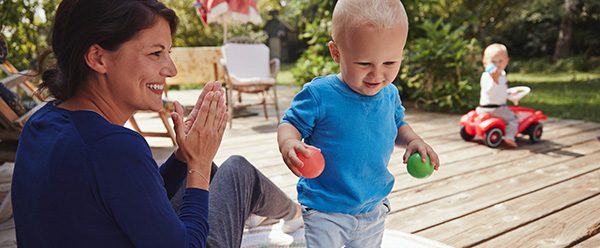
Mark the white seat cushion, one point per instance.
(252, 80)
(247, 60)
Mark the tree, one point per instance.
(563, 43)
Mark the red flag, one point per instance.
(202, 11)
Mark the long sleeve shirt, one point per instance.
(80, 181)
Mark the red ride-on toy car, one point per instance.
(492, 129)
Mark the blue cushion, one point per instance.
(12, 100)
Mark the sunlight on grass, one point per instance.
(551, 78)
(285, 75)
(563, 95)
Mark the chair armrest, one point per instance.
(223, 63)
(225, 71)
(274, 63)
(21, 120)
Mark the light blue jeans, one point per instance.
(334, 230)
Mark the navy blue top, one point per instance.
(356, 135)
(80, 181)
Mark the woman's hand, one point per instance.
(209, 87)
(199, 136)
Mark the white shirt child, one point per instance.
(493, 93)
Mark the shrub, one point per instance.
(315, 61)
(441, 70)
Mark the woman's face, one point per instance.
(136, 72)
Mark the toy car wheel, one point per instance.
(464, 135)
(493, 137)
(535, 132)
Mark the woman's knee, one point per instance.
(237, 164)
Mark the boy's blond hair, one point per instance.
(377, 13)
(492, 49)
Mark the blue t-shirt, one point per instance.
(356, 135)
(80, 181)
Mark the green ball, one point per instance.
(417, 168)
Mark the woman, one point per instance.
(83, 180)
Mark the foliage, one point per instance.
(544, 65)
(314, 21)
(480, 19)
(440, 69)
(191, 31)
(265, 7)
(528, 28)
(18, 25)
(26, 25)
(442, 61)
(315, 61)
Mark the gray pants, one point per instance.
(505, 114)
(238, 189)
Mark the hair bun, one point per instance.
(52, 80)
(50, 76)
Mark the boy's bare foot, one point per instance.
(511, 143)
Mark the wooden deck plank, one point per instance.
(456, 206)
(475, 158)
(452, 143)
(255, 149)
(253, 145)
(470, 180)
(508, 158)
(558, 230)
(593, 242)
(504, 217)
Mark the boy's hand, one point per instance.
(418, 145)
(496, 73)
(288, 152)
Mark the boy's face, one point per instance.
(497, 57)
(369, 57)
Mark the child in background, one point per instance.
(355, 118)
(494, 90)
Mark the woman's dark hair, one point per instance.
(81, 23)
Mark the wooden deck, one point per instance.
(540, 195)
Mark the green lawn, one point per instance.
(563, 95)
(285, 75)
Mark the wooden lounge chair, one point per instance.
(13, 115)
(248, 70)
(163, 114)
